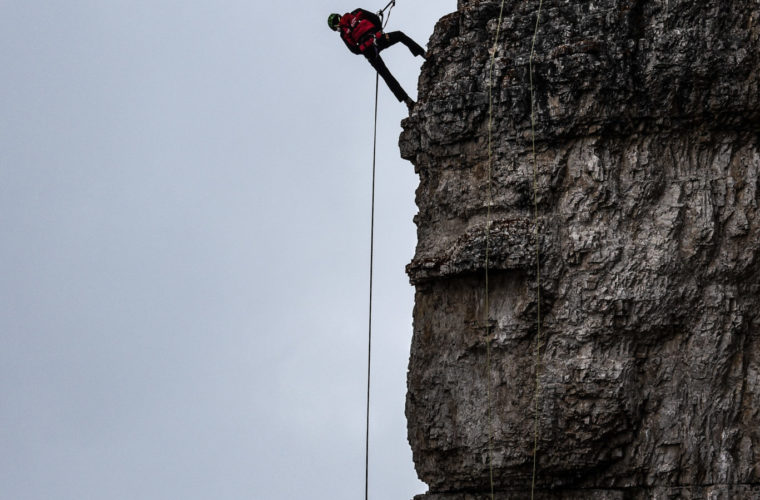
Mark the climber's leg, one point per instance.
(383, 71)
(394, 37)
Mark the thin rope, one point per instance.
(487, 307)
(371, 267)
(389, 8)
(538, 252)
(390, 5)
(538, 255)
(381, 13)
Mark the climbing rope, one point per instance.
(388, 8)
(371, 267)
(381, 14)
(488, 250)
(487, 307)
(538, 251)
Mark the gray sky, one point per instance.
(184, 239)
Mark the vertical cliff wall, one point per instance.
(648, 183)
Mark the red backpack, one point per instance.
(360, 28)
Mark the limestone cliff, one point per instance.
(648, 183)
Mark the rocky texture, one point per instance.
(648, 184)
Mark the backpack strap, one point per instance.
(370, 40)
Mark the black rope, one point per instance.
(371, 262)
(389, 8)
(381, 13)
(390, 5)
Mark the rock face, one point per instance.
(647, 137)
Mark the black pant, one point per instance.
(372, 54)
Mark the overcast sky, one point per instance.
(184, 247)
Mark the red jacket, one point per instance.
(359, 30)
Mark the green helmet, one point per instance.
(333, 20)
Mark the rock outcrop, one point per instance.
(647, 176)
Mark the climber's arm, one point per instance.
(352, 47)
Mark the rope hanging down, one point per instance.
(488, 250)
(388, 8)
(538, 251)
(371, 266)
(381, 13)
(487, 307)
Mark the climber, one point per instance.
(362, 32)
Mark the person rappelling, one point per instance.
(362, 32)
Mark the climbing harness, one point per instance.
(488, 250)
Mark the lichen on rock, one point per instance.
(647, 134)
